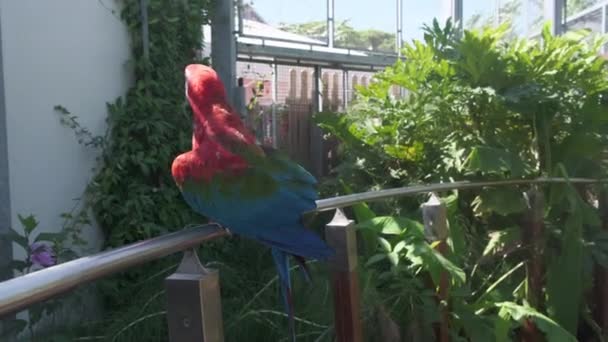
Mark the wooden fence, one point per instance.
(294, 107)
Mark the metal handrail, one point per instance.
(18, 293)
(348, 200)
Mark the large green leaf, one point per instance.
(564, 295)
(363, 213)
(564, 288)
(477, 327)
(29, 223)
(457, 229)
(14, 236)
(503, 201)
(393, 225)
(421, 253)
(489, 160)
(552, 330)
(50, 237)
(500, 239)
(502, 327)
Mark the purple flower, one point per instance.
(41, 254)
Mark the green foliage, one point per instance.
(132, 194)
(148, 128)
(133, 197)
(520, 313)
(483, 106)
(62, 245)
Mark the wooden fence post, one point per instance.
(340, 235)
(434, 214)
(194, 311)
(601, 274)
(532, 237)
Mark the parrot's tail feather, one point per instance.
(303, 267)
(281, 260)
(292, 323)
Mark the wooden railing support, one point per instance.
(434, 214)
(340, 235)
(194, 311)
(532, 237)
(601, 274)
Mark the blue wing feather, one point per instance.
(273, 219)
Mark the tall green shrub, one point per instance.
(480, 106)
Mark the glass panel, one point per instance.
(292, 20)
(525, 16)
(574, 7)
(418, 13)
(514, 13)
(478, 14)
(591, 21)
(365, 24)
(534, 16)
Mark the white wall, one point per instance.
(61, 52)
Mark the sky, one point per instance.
(365, 14)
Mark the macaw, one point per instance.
(252, 190)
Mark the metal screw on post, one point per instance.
(434, 214)
(340, 235)
(194, 311)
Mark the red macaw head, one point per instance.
(203, 85)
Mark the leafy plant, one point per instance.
(483, 105)
(133, 195)
(41, 250)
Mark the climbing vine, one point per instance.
(132, 194)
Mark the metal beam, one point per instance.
(452, 9)
(223, 45)
(344, 89)
(554, 12)
(585, 12)
(316, 134)
(334, 58)
(6, 246)
(311, 64)
(399, 35)
(604, 31)
(275, 94)
(331, 23)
